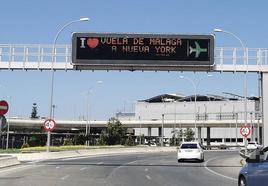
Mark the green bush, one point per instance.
(129, 141)
(25, 145)
(67, 142)
(80, 140)
(101, 141)
(37, 140)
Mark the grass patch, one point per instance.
(3, 151)
(66, 148)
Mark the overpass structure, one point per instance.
(40, 57)
(18, 124)
(78, 124)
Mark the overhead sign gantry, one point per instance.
(112, 51)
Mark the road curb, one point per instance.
(7, 161)
(42, 156)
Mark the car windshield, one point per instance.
(189, 146)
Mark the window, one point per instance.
(189, 146)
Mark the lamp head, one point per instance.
(84, 19)
(218, 30)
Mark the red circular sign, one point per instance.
(245, 130)
(3, 107)
(49, 125)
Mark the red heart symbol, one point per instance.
(92, 42)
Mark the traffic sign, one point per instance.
(245, 130)
(3, 107)
(49, 125)
(167, 52)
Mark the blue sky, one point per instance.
(37, 22)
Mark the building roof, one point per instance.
(163, 98)
(181, 98)
(202, 98)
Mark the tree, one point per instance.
(189, 134)
(129, 140)
(142, 138)
(113, 134)
(177, 137)
(34, 112)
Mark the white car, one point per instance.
(190, 151)
(253, 145)
(153, 144)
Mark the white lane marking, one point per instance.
(84, 168)
(216, 173)
(65, 177)
(146, 170)
(100, 163)
(148, 177)
(57, 167)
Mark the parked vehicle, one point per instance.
(190, 151)
(153, 144)
(255, 172)
(253, 145)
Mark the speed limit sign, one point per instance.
(245, 130)
(49, 125)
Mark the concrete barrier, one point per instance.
(6, 161)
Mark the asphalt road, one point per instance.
(129, 170)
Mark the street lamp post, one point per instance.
(52, 71)
(88, 123)
(245, 76)
(195, 85)
(140, 129)
(162, 131)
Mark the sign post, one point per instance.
(49, 125)
(152, 52)
(245, 131)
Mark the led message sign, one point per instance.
(101, 51)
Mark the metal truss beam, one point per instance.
(39, 57)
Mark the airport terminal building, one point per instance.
(213, 118)
(179, 109)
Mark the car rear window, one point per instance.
(189, 146)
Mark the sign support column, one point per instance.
(264, 83)
(245, 131)
(49, 125)
(162, 131)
